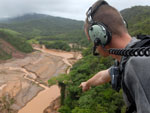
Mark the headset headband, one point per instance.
(90, 13)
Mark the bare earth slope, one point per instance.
(9, 49)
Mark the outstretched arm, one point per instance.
(98, 79)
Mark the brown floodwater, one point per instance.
(41, 101)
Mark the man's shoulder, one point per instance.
(136, 78)
(138, 61)
(136, 65)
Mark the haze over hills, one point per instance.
(35, 24)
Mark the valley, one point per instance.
(25, 79)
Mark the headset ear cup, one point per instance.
(108, 34)
(101, 32)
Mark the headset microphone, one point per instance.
(96, 43)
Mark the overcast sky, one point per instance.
(74, 9)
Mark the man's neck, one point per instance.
(120, 43)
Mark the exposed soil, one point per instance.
(8, 48)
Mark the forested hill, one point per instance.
(138, 18)
(40, 24)
(54, 32)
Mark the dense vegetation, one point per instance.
(138, 19)
(100, 99)
(57, 45)
(76, 38)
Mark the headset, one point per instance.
(98, 31)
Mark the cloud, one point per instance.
(122, 4)
(74, 9)
(10, 8)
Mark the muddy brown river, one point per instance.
(43, 99)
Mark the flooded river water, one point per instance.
(45, 97)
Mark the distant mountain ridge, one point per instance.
(32, 25)
(25, 17)
(41, 24)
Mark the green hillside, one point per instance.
(48, 30)
(100, 99)
(16, 40)
(40, 24)
(138, 19)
